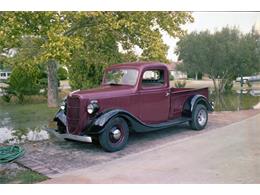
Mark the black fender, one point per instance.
(192, 102)
(97, 125)
(60, 115)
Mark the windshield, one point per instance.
(121, 77)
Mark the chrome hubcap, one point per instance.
(116, 133)
(202, 117)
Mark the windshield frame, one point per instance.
(121, 68)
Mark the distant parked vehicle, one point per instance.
(246, 79)
(253, 92)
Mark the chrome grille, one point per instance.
(73, 113)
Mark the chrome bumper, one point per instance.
(69, 136)
(77, 137)
(61, 116)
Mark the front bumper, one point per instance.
(68, 136)
(62, 117)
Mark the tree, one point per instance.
(103, 32)
(46, 30)
(223, 55)
(87, 41)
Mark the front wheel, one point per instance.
(115, 135)
(199, 117)
(61, 128)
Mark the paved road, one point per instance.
(229, 154)
(55, 156)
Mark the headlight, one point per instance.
(92, 108)
(62, 106)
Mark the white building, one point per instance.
(175, 73)
(4, 74)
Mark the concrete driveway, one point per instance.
(229, 154)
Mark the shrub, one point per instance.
(6, 98)
(171, 77)
(62, 73)
(180, 83)
(23, 81)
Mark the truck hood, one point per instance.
(106, 91)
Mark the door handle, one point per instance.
(167, 94)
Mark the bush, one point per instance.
(229, 86)
(24, 80)
(180, 83)
(6, 98)
(171, 77)
(62, 73)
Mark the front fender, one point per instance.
(60, 115)
(98, 123)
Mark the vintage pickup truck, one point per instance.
(132, 97)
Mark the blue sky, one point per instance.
(215, 21)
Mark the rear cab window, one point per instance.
(153, 78)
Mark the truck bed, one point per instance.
(179, 97)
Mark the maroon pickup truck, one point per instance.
(132, 97)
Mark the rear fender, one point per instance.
(193, 101)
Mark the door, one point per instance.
(154, 95)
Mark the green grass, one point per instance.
(23, 116)
(232, 101)
(22, 177)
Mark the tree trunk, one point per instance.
(215, 85)
(53, 98)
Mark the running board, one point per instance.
(171, 122)
(138, 126)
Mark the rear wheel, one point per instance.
(199, 117)
(115, 135)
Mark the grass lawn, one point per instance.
(22, 177)
(25, 115)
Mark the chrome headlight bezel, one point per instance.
(63, 104)
(92, 108)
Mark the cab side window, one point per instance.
(153, 78)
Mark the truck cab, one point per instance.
(132, 97)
